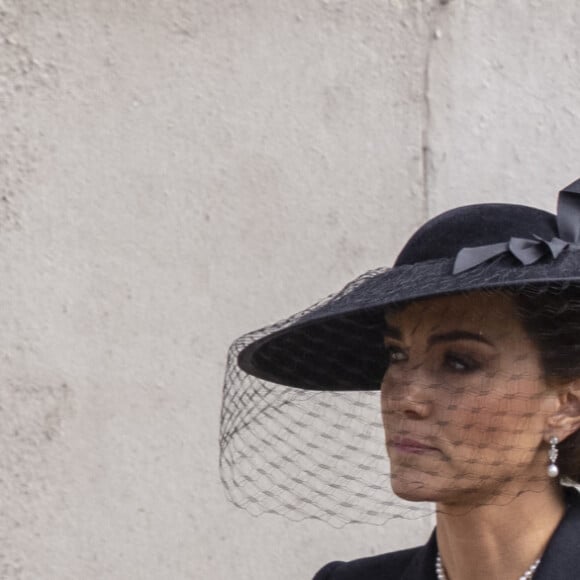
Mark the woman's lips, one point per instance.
(407, 445)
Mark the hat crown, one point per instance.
(475, 225)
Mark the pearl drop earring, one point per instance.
(553, 470)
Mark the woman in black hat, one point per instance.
(473, 339)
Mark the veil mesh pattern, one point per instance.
(321, 454)
(303, 453)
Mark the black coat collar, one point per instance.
(561, 560)
(422, 566)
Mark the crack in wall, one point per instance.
(433, 34)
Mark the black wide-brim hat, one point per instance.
(338, 344)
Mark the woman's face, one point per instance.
(464, 404)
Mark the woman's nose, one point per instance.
(409, 395)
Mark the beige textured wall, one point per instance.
(174, 173)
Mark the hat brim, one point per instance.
(338, 344)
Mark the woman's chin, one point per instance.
(421, 487)
(414, 489)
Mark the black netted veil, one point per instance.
(305, 453)
(472, 346)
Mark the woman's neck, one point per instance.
(498, 541)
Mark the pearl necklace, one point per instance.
(529, 573)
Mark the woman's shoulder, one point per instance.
(388, 566)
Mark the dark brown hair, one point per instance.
(551, 318)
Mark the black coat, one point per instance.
(561, 560)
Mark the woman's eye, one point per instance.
(395, 355)
(460, 363)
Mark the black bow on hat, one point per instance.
(529, 251)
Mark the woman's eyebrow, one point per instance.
(458, 335)
(391, 332)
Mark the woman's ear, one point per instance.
(566, 419)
